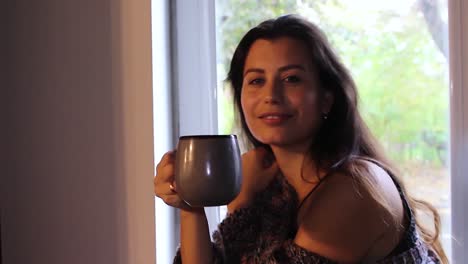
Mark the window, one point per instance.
(397, 52)
(194, 24)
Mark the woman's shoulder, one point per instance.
(359, 207)
(373, 182)
(375, 179)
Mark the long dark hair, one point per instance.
(344, 135)
(341, 136)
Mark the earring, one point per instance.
(325, 116)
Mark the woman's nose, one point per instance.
(273, 93)
(271, 100)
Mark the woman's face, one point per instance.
(281, 98)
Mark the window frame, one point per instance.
(458, 43)
(194, 75)
(165, 216)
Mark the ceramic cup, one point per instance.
(208, 169)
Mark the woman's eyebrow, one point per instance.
(292, 66)
(258, 70)
(281, 69)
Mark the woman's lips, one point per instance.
(275, 119)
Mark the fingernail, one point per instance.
(172, 187)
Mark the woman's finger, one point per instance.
(172, 187)
(175, 201)
(164, 189)
(163, 181)
(273, 168)
(165, 174)
(167, 158)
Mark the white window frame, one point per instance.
(194, 69)
(184, 62)
(194, 76)
(185, 100)
(166, 240)
(458, 41)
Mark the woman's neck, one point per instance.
(294, 162)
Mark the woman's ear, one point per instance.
(327, 103)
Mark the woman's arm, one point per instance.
(195, 242)
(344, 221)
(195, 238)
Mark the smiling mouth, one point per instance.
(274, 115)
(275, 118)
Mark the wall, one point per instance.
(77, 182)
(2, 113)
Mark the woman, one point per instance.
(316, 188)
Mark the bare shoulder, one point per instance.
(352, 217)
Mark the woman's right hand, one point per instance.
(194, 231)
(164, 184)
(258, 169)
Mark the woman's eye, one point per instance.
(292, 79)
(256, 81)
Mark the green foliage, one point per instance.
(400, 74)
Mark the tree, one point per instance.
(437, 27)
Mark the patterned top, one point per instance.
(264, 233)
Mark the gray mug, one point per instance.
(208, 169)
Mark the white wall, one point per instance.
(77, 183)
